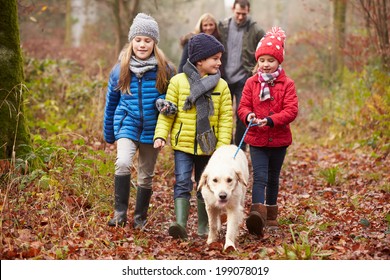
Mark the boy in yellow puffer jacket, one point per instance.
(203, 122)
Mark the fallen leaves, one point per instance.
(318, 220)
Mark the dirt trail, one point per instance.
(346, 220)
(334, 204)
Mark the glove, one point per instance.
(166, 107)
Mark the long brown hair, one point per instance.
(165, 69)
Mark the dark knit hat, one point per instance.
(202, 46)
(272, 44)
(144, 25)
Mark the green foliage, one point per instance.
(62, 98)
(301, 249)
(366, 96)
(65, 108)
(355, 113)
(330, 175)
(352, 110)
(388, 223)
(385, 187)
(61, 253)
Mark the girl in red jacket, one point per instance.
(269, 102)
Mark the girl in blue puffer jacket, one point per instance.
(136, 82)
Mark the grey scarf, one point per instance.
(140, 67)
(200, 96)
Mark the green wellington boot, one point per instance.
(179, 228)
(203, 220)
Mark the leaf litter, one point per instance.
(344, 217)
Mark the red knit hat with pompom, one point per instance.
(272, 44)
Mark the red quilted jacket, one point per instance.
(282, 108)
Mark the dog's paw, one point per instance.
(229, 246)
(215, 246)
(211, 240)
(229, 249)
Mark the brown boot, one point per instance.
(272, 213)
(257, 218)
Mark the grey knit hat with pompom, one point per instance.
(144, 25)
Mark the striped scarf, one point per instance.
(265, 79)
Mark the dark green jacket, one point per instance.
(251, 38)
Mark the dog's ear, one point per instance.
(241, 179)
(202, 181)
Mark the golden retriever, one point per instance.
(223, 185)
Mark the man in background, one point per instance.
(240, 36)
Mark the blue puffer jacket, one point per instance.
(134, 115)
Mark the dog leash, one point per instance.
(242, 139)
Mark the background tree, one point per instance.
(13, 132)
(124, 11)
(339, 32)
(68, 24)
(376, 13)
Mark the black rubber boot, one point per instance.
(122, 192)
(141, 207)
(179, 228)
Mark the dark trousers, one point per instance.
(236, 92)
(267, 163)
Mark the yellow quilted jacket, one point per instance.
(182, 126)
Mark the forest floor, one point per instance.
(334, 204)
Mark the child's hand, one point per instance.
(166, 107)
(251, 117)
(262, 122)
(159, 143)
(259, 122)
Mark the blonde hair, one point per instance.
(204, 17)
(198, 29)
(165, 69)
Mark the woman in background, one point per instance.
(206, 24)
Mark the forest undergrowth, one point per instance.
(334, 189)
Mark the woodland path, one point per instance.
(319, 219)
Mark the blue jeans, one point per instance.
(184, 165)
(267, 163)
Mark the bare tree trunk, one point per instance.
(68, 24)
(129, 11)
(377, 13)
(118, 29)
(14, 135)
(124, 12)
(339, 21)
